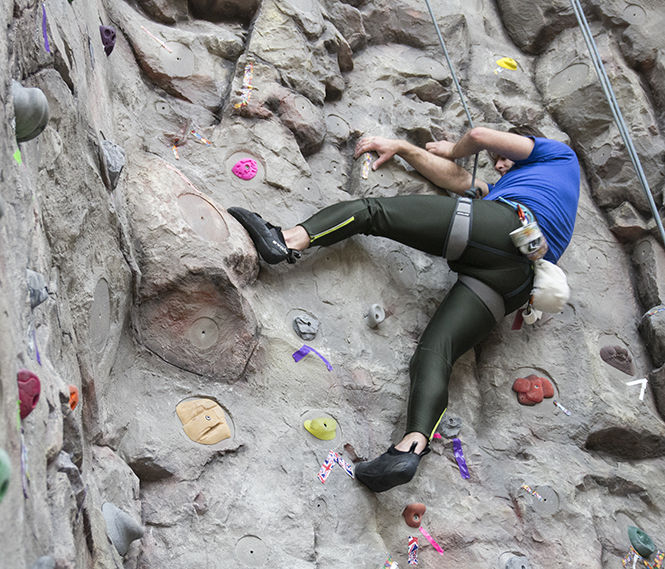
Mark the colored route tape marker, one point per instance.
(246, 89)
(44, 33)
(531, 491)
(413, 551)
(302, 352)
(459, 457)
(327, 466)
(429, 538)
(557, 404)
(160, 42)
(329, 463)
(345, 465)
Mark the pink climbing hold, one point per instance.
(245, 169)
(29, 389)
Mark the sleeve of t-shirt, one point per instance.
(545, 150)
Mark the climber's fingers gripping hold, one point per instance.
(386, 148)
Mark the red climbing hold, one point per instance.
(413, 514)
(531, 390)
(29, 389)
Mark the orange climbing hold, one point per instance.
(73, 396)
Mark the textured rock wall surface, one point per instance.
(155, 293)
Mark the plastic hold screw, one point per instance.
(108, 38)
(73, 397)
(245, 169)
(29, 389)
(5, 473)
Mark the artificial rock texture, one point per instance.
(155, 294)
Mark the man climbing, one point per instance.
(539, 180)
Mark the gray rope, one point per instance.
(457, 85)
(616, 111)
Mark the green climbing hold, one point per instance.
(641, 542)
(5, 473)
(324, 428)
(18, 157)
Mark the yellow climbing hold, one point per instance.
(507, 63)
(324, 428)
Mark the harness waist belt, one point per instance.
(460, 228)
(491, 299)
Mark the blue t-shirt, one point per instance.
(548, 183)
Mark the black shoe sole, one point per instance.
(387, 471)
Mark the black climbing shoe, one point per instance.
(392, 468)
(267, 238)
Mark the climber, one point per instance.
(539, 177)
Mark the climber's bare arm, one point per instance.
(442, 172)
(506, 144)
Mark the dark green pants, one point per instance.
(462, 320)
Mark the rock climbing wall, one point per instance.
(188, 446)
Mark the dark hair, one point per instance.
(522, 130)
(526, 130)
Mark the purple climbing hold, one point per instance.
(245, 169)
(108, 38)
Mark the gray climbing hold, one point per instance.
(517, 562)
(37, 287)
(64, 464)
(375, 315)
(121, 528)
(113, 162)
(45, 562)
(450, 426)
(30, 110)
(306, 327)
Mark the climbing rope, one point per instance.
(457, 85)
(616, 111)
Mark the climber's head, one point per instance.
(503, 164)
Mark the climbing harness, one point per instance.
(459, 230)
(491, 299)
(616, 111)
(472, 191)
